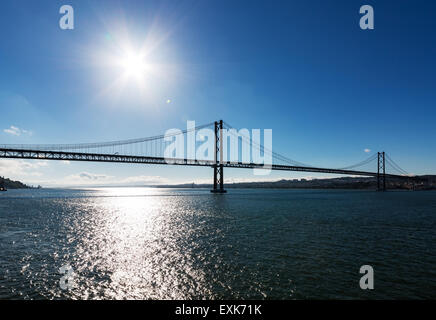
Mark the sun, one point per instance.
(133, 64)
(134, 70)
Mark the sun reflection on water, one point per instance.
(131, 243)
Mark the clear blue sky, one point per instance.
(305, 69)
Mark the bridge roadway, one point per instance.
(96, 157)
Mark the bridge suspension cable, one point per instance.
(78, 146)
(360, 164)
(395, 166)
(260, 147)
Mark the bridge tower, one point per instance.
(381, 172)
(218, 170)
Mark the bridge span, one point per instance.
(39, 152)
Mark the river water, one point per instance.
(147, 243)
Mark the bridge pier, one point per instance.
(218, 179)
(218, 169)
(381, 172)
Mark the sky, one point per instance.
(332, 93)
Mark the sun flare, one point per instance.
(134, 70)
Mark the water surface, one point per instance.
(144, 243)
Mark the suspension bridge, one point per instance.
(151, 150)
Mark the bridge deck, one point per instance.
(95, 157)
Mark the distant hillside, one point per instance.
(423, 183)
(10, 184)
